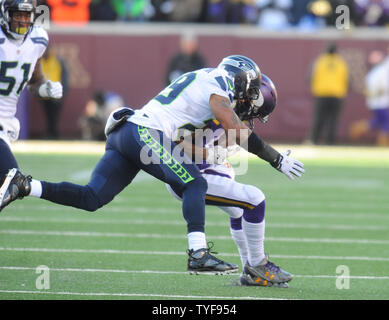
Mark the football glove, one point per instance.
(51, 89)
(231, 150)
(117, 118)
(216, 155)
(289, 166)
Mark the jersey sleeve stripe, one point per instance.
(221, 83)
(40, 40)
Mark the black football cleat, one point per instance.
(15, 186)
(202, 261)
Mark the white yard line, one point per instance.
(158, 272)
(145, 295)
(175, 253)
(172, 222)
(175, 206)
(172, 236)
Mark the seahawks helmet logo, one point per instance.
(247, 67)
(244, 66)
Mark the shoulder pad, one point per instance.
(39, 35)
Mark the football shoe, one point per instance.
(15, 186)
(263, 274)
(247, 279)
(202, 261)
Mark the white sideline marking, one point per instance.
(171, 236)
(178, 272)
(137, 295)
(182, 223)
(175, 253)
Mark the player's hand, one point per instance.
(289, 166)
(216, 155)
(51, 89)
(231, 150)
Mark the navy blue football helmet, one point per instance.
(259, 108)
(7, 10)
(246, 74)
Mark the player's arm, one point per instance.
(197, 152)
(191, 149)
(222, 109)
(41, 87)
(224, 113)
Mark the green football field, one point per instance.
(330, 229)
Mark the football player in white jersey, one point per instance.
(21, 46)
(144, 140)
(245, 204)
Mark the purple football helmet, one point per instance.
(269, 93)
(260, 108)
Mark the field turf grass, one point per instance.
(134, 248)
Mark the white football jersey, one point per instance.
(18, 62)
(377, 86)
(184, 104)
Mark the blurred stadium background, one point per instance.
(130, 57)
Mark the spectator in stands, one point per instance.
(298, 10)
(69, 12)
(329, 87)
(102, 10)
(377, 101)
(232, 11)
(131, 10)
(54, 69)
(96, 113)
(187, 59)
(182, 13)
(372, 12)
(161, 10)
(274, 14)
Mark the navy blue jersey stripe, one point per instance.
(222, 83)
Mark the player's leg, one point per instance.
(226, 192)
(240, 200)
(239, 237)
(237, 200)
(111, 175)
(236, 231)
(156, 155)
(7, 160)
(8, 170)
